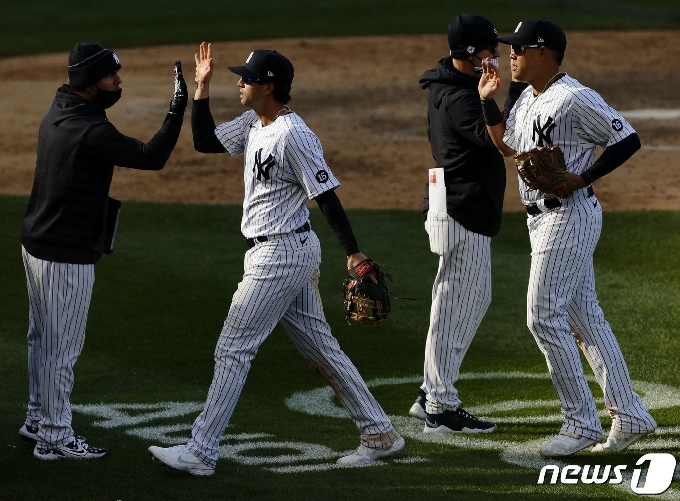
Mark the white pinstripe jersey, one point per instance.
(283, 169)
(568, 115)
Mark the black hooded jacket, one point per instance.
(66, 217)
(474, 170)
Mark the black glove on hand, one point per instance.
(181, 96)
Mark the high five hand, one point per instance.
(490, 81)
(181, 96)
(204, 70)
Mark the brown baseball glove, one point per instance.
(544, 169)
(366, 303)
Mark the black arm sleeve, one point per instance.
(124, 151)
(612, 157)
(514, 91)
(203, 128)
(335, 215)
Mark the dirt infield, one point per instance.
(361, 96)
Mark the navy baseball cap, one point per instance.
(468, 34)
(535, 31)
(266, 66)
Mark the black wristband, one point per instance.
(585, 175)
(492, 113)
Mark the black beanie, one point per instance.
(88, 63)
(469, 33)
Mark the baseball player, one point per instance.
(562, 308)
(462, 209)
(283, 169)
(69, 223)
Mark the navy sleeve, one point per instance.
(104, 140)
(335, 215)
(203, 128)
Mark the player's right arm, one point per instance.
(489, 84)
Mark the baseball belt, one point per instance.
(551, 203)
(252, 241)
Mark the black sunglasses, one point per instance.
(519, 49)
(250, 81)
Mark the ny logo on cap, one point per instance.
(115, 57)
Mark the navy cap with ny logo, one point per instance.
(266, 66)
(534, 31)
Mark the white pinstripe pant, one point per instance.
(59, 295)
(561, 299)
(461, 294)
(280, 283)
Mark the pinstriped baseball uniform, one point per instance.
(283, 169)
(461, 294)
(59, 299)
(562, 303)
(463, 208)
(69, 223)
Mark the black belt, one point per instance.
(252, 241)
(551, 204)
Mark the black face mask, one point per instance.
(107, 98)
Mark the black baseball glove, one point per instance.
(366, 303)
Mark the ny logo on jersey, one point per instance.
(263, 168)
(543, 131)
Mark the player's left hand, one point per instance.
(366, 296)
(357, 258)
(574, 182)
(181, 96)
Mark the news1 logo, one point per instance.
(659, 474)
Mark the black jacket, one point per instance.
(65, 220)
(474, 170)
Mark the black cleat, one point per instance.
(458, 421)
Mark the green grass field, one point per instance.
(50, 26)
(159, 302)
(158, 305)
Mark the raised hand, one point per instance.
(181, 96)
(490, 81)
(204, 70)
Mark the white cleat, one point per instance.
(29, 433)
(181, 458)
(565, 445)
(364, 455)
(620, 441)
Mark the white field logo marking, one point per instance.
(283, 456)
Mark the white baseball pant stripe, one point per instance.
(59, 300)
(280, 283)
(561, 298)
(461, 294)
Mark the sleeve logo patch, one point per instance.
(617, 125)
(321, 176)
